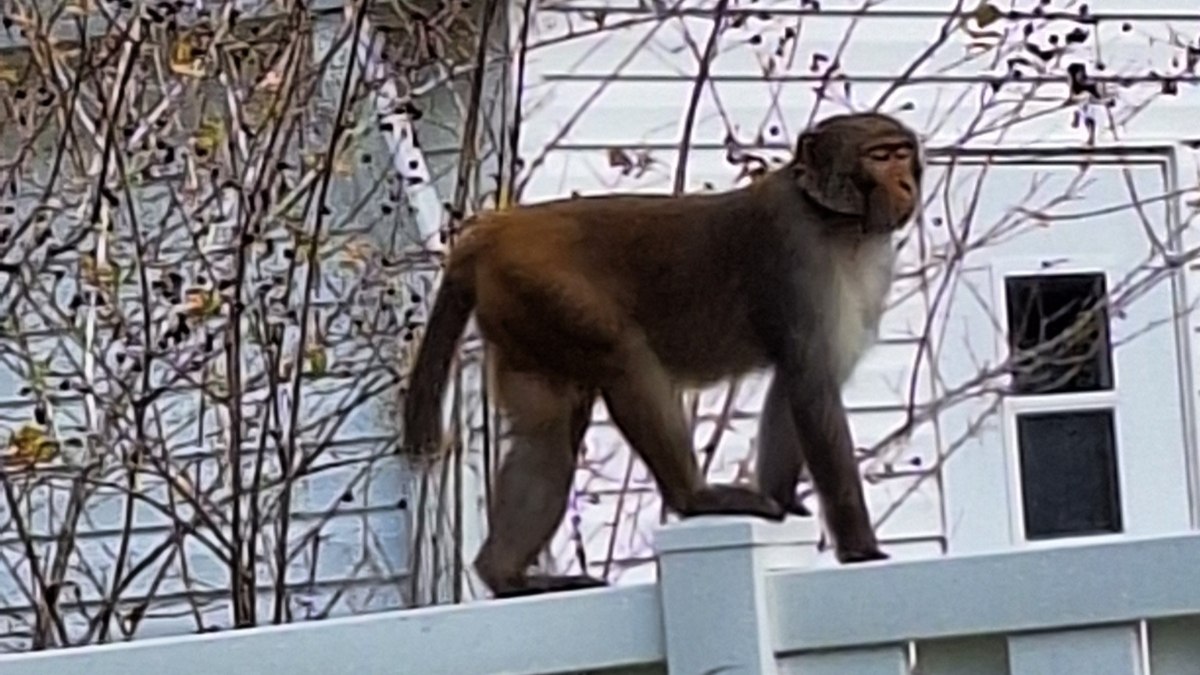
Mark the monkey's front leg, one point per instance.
(805, 377)
(817, 408)
(646, 409)
(780, 451)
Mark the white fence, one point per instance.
(733, 598)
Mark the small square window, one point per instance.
(1044, 307)
(1069, 473)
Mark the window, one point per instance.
(1068, 473)
(1059, 338)
(1060, 318)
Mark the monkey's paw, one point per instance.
(733, 500)
(849, 557)
(797, 508)
(536, 584)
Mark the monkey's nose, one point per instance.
(907, 187)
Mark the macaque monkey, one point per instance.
(632, 298)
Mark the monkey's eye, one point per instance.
(881, 155)
(902, 153)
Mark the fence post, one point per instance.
(711, 574)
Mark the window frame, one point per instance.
(1014, 405)
(978, 488)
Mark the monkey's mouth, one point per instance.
(904, 218)
(899, 218)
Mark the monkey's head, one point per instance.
(865, 166)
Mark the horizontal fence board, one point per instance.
(1004, 592)
(1072, 609)
(533, 635)
(877, 661)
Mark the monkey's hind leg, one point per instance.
(533, 485)
(644, 407)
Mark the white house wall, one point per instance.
(590, 95)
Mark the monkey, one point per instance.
(630, 298)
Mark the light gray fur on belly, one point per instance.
(862, 278)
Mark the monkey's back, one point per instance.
(560, 282)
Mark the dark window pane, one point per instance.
(1042, 308)
(1069, 473)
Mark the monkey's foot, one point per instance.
(537, 584)
(849, 557)
(733, 500)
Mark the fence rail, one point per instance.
(741, 596)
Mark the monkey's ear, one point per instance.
(825, 168)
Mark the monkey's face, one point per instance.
(890, 177)
(865, 166)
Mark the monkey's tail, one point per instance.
(427, 384)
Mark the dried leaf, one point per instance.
(201, 302)
(182, 62)
(318, 362)
(986, 14)
(101, 276)
(79, 7)
(270, 82)
(182, 485)
(209, 136)
(503, 196)
(9, 74)
(343, 162)
(620, 159)
(30, 446)
(357, 252)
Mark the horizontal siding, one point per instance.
(646, 71)
(1119, 9)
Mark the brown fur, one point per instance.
(632, 297)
